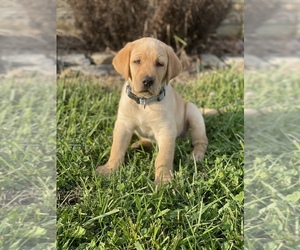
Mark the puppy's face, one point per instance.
(148, 68)
(147, 64)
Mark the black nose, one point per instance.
(148, 81)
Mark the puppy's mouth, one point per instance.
(145, 93)
(142, 93)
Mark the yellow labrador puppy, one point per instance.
(151, 108)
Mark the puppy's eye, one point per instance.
(137, 61)
(159, 64)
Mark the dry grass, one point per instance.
(105, 23)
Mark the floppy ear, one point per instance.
(121, 61)
(174, 64)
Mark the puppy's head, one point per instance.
(147, 64)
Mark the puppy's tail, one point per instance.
(248, 112)
(207, 111)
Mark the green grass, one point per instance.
(27, 164)
(201, 209)
(272, 161)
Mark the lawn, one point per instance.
(201, 209)
(272, 160)
(27, 163)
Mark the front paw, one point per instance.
(197, 155)
(106, 169)
(162, 180)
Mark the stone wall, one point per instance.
(273, 29)
(232, 26)
(27, 35)
(282, 20)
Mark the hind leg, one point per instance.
(196, 123)
(142, 143)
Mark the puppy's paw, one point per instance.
(106, 170)
(162, 180)
(197, 155)
(142, 144)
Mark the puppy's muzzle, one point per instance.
(148, 81)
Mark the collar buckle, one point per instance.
(142, 101)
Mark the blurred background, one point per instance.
(27, 35)
(192, 27)
(27, 124)
(110, 24)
